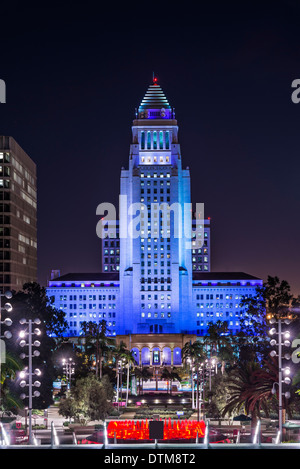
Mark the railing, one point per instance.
(256, 443)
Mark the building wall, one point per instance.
(110, 248)
(82, 302)
(218, 301)
(18, 207)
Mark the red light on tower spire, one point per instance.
(154, 79)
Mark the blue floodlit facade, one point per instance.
(157, 282)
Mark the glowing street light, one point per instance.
(6, 322)
(281, 341)
(69, 368)
(28, 372)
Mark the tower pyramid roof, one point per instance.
(154, 98)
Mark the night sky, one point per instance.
(74, 76)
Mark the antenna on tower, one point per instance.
(154, 78)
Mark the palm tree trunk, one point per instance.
(197, 395)
(100, 366)
(253, 426)
(127, 388)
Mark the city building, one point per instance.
(156, 289)
(18, 240)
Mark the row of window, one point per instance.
(221, 296)
(155, 175)
(74, 323)
(153, 183)
(74, 332)
(93, 315)
(162, 305)
(218, 305)
(162, 297)
(85, 297)
(231, 323)
(155, 159)
(155, 287)
(220, 314)
(155, 315)
(113, 266)
(84, 306)
(154, 140)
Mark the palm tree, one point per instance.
(143, 374)
(9, 371)
(130, 362)
(194, 352)
(246, 392)
(219, 341)
(125, 357)
(170, 375)
(96, 334)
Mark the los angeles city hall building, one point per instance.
(155, 288)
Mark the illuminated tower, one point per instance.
(155, 264)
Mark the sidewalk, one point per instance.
(53, 416)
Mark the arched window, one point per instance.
(161, 141)
(148, 140)
(145, 356)
(177, 356)
(142, 140)
(155, 140)
(167, 141)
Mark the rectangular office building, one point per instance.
(18, 216)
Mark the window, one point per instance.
(142, 140)
(167, 141)
(161, 143)
(148, 140)
(155, 140)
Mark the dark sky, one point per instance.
(74, 76)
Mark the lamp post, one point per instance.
(119, 381)
(68, 367)
(281, 335)
(7, 322)
(28, 370)
(192, 370)
(211, 366)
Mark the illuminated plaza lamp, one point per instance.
(28, 372)
(6, 322)
(283, 373)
